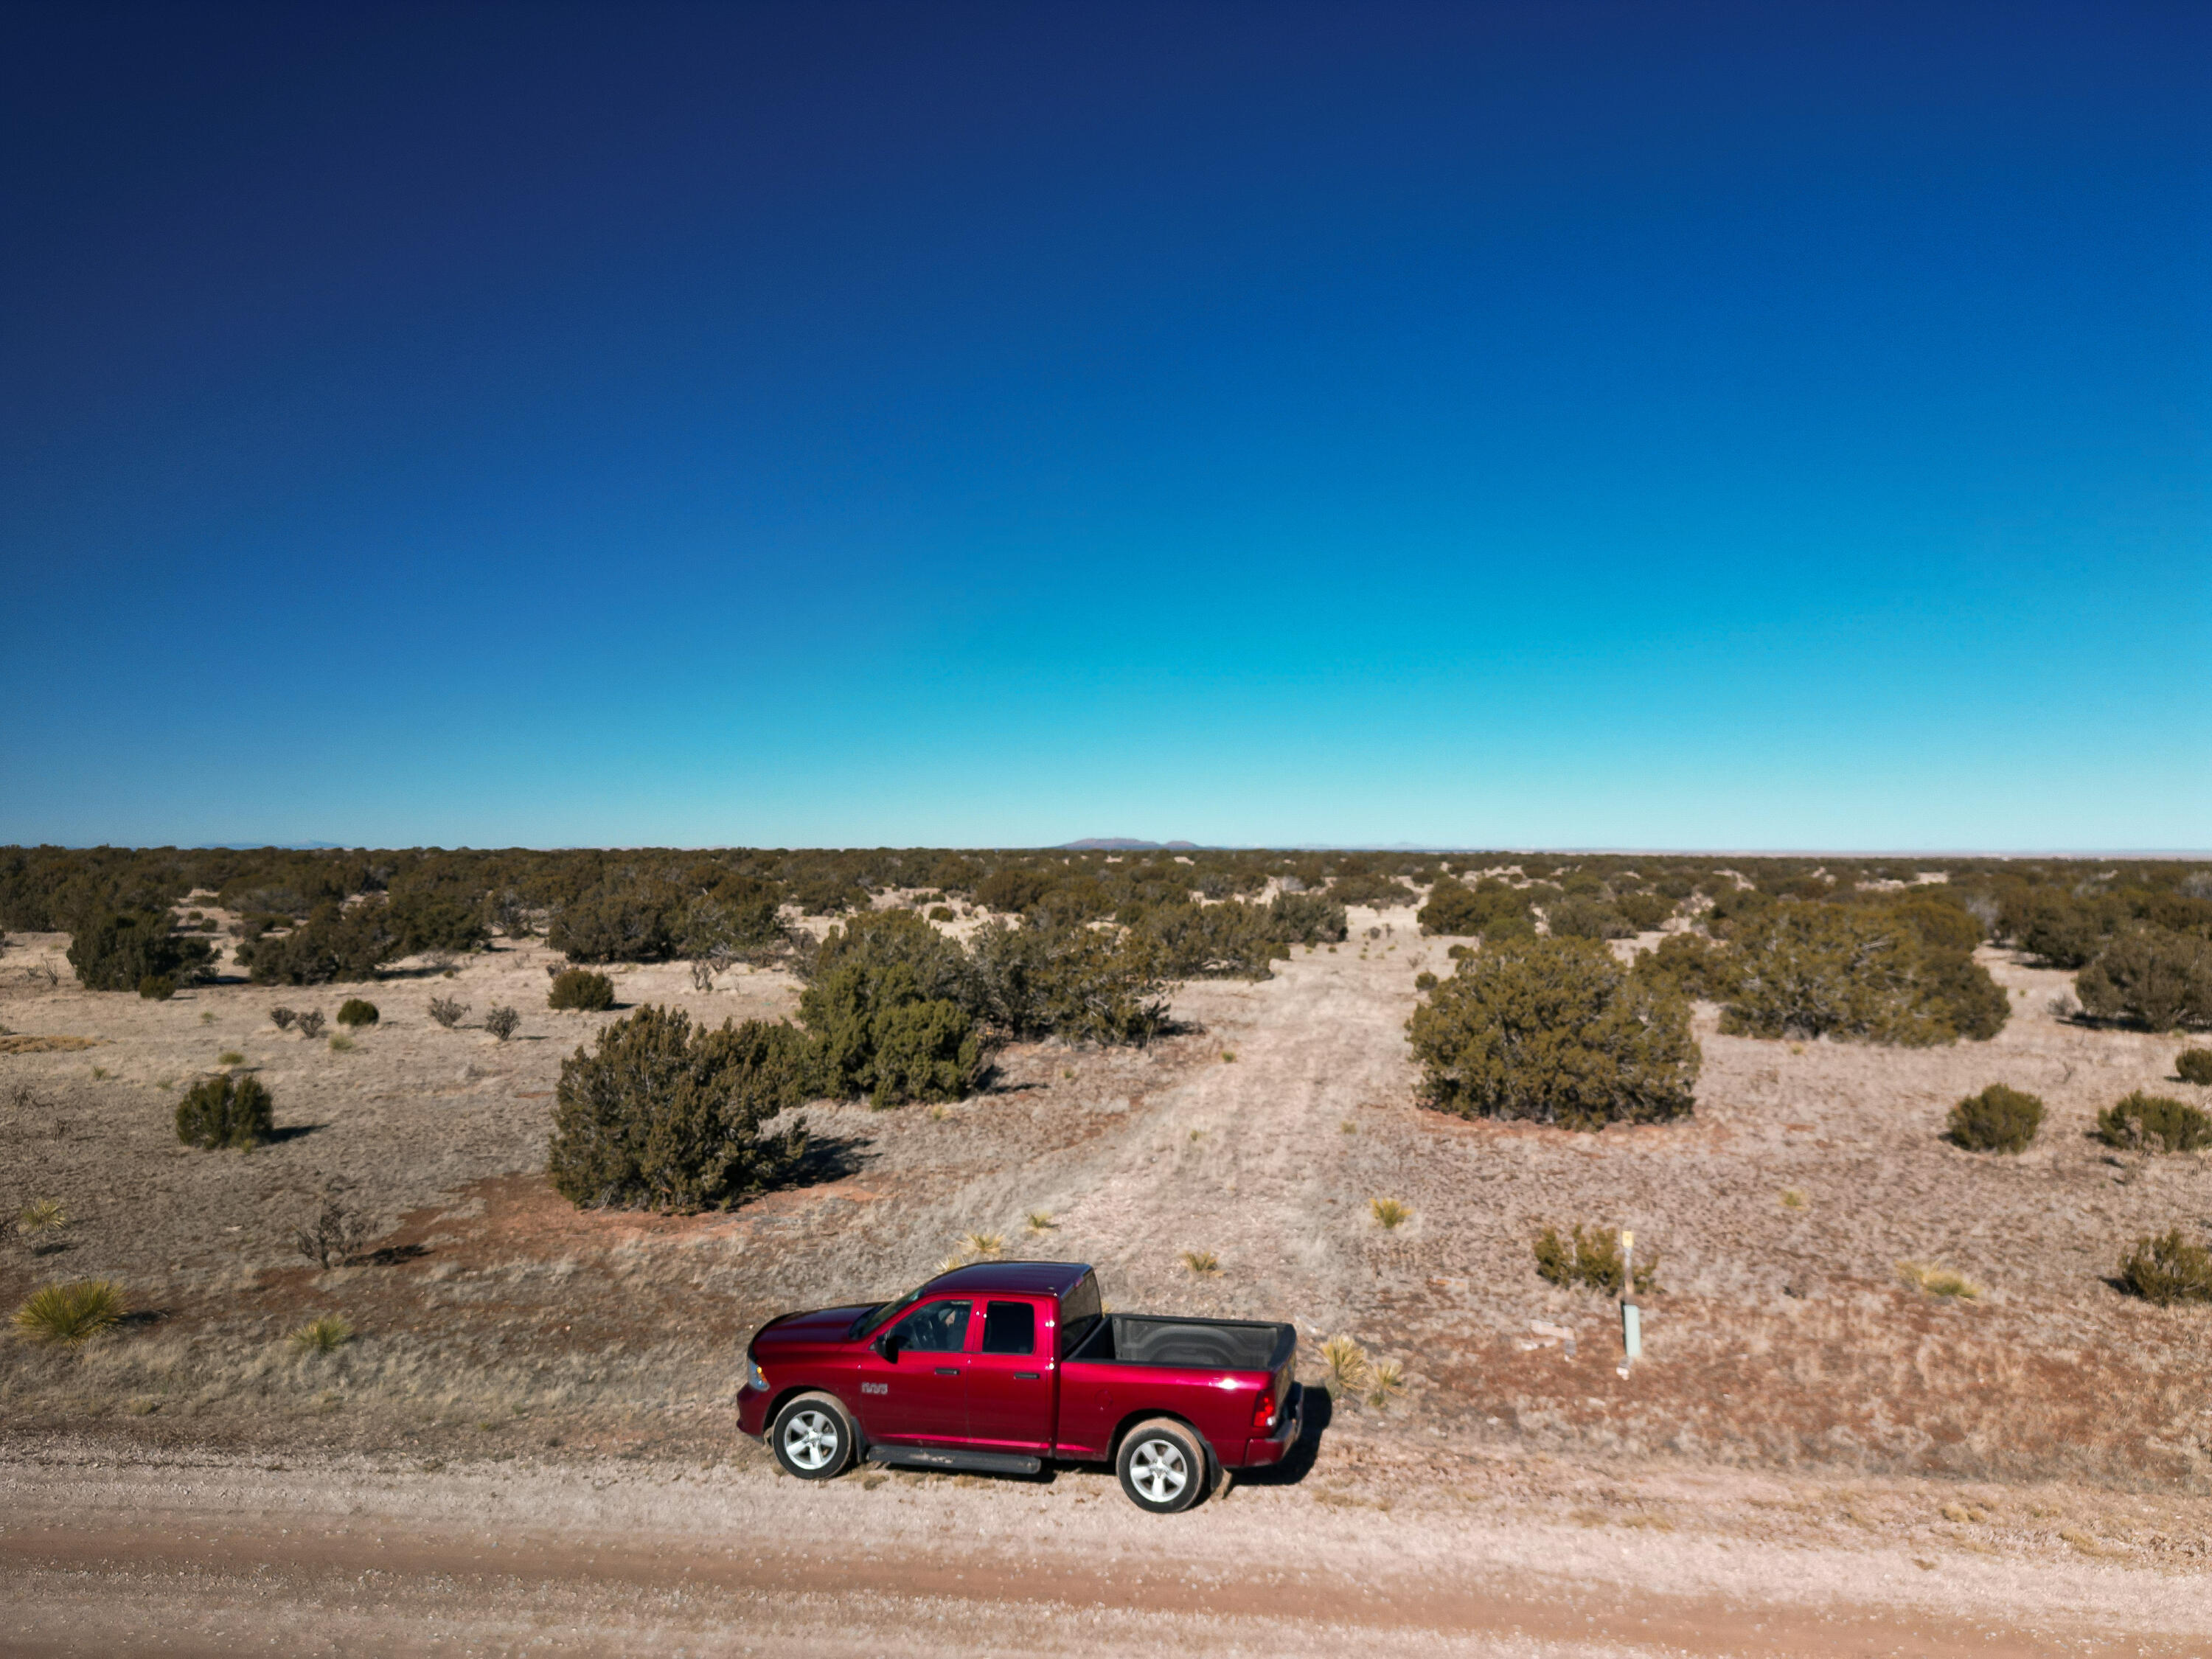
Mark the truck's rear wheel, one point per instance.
(813, 1436)
(1162, 1466)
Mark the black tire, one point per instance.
(1163, 1466)
(813, 1438)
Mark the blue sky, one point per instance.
(1646, 426)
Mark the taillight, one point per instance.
(1263, 1410)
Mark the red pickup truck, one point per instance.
(999, 1366)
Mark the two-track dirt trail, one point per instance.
(210, 1556)
(1250, 1156)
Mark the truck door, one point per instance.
(913, 1380)
(1010, 1380)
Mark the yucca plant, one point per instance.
(70, 1314)
(1386, 1382)
(1937, 1281)
(1202, 1263)
(982, 1244)
(1041, 1221)
(1350, 1370)
(325, 1334)
(41, 1221)
(1389, 1214)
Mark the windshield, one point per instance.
(882, 1315)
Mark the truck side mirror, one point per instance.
(888, 1345)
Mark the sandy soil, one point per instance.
(215, 1556)
(1798, 1404)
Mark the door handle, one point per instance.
(1025, 1377)
(948, 1371)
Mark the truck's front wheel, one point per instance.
(1162, 1466)
(812, 1438)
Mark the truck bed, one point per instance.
(1227, 1345)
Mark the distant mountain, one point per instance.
(280, 846)
(1123, 844)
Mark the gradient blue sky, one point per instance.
(1627, 425)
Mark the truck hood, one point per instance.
(823, 1325)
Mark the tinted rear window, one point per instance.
(1079, 1314)
(1010, 1328)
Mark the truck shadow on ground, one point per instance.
(1316, 1408)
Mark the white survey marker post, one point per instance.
(1631, 1317)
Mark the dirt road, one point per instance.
(208, 1555)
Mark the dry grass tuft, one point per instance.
(1202, 1263)
(1793, 1198)
(230, 1057)
(41, 1219)
(70, 1314)
(1937, 1281)
(325, 1334)
(1389, 1214)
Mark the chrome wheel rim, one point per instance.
(810, 1439)
(1159, 1471)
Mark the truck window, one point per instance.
(1078, 1315)
(1010, 1328)
(934, 1328)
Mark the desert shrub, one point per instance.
(1375, 890)
(1938, 917)
(941, 912)
(1490, 909)
(1997, 1120)
(334, 1236)
(1557, 1032)
(1072, 900)
(1013, 890)
(121, 950)
(502, 1023)
(1307, 919)
(581, 988)
(2150, 975)
(2194, 1066)
(625, 918)
(67, 1314)
(1811, 970)
(661, 1115)
(1389, 1214)
(423, 917)
(1589, 1258)
(828, 893)
(157, 988)
(1579, 917)
(356, 1011)
(2061, 929)
(1689, 965)
(876, 1035)
(447, 1011)
(1229, 941)
(1079, 983)
(225, 1111)
(736, 918)
(922, 1051)
(281, 1018)
(1937, 1281)
(2167, 1268)
(2155, 1122)
(310, 1023)
(879, 941)
(1644, 911)
(332, 943)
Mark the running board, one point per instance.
(938, 1457)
